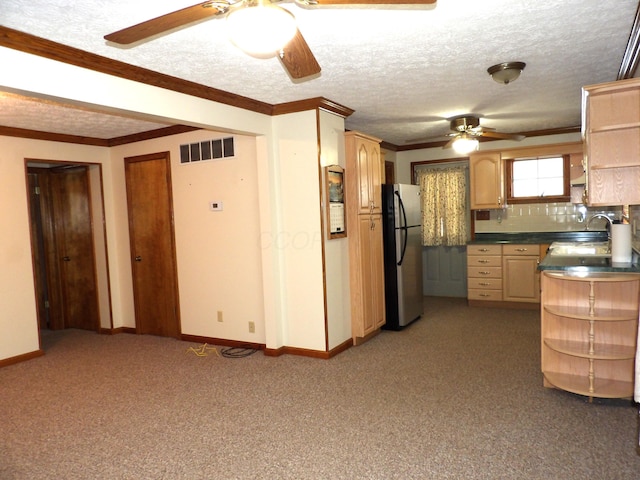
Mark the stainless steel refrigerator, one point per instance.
(402, 233)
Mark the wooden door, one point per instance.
(151, 231)
(74, 247)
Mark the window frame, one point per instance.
(566, 195)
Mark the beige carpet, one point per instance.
(457, 395)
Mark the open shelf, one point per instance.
(600, 351)
(600, 314)
(603, 388)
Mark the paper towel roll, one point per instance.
(621, 243)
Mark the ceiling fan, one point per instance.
(296, 56)
(465, 130)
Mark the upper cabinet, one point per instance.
(611, 132)
(487, 180)
(368, 168)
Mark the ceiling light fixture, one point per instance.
(465, 144)
(506, 72)
(261, 29)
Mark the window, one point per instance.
(538, 179)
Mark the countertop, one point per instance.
(587, 264)
(584, 264)
(540, 237)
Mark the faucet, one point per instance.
(600, 215)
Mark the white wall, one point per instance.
(218, 253)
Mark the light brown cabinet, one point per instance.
(611, 133)
(486, 181)
(589, 326)
(521, 280)
(364, 173)
(503, 273)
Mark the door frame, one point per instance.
(99, 233)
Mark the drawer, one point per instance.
(488, 283)
(521, 250)
(477, 294)
(487, 261)
(484, 272)
(484, 249)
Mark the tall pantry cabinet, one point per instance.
(363, 179)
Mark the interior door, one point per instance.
(74, 247)
(151, 231)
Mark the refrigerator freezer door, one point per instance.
(410, 195)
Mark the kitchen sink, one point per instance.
(580, 249)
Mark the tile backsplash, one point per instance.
(548, 217)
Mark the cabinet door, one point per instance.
(521, 280)
(372, 275)
(370, 176)
(485, 173)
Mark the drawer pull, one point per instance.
(484, 295)
(484, 273)
(483, 249)
(484, 284)
(521, 249)
(483, 261)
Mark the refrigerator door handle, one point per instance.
(403, 228)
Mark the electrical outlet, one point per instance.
(220, 315)
(252, 327)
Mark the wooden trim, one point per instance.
(21, 358)
(311, 104)
(151, 134)
(305, 352)
(532, 133)
(42, 47)
(221, 341)
(53, 137)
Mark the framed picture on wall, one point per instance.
(336, 219)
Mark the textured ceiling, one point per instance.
(403, 70)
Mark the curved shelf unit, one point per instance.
(589, 327)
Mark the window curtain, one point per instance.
(444, 207)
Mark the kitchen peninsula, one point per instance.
(589, 325)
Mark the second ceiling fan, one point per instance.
(295, 55)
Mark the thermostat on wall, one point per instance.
(215, 206)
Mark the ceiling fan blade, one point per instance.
(505, 136)
(369, 2)
(297, 58)
(167, 22)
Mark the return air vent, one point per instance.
(216, 149)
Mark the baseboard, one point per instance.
(305, 352)
(21, 358)
(221, 341)
(115, 331)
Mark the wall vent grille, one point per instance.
(215, 149)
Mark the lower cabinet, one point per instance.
(589, 327)
(503, 273)
(366, 277)
(521, 280)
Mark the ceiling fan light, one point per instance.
(261, 30)
(465, 144)
(506, 72)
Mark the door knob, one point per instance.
(66, 259)
(138, 258)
